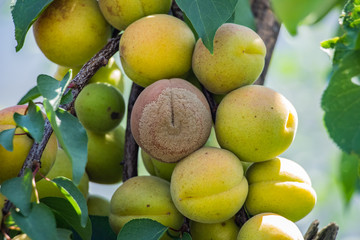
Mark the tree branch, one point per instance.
(268, 29)
(131, 147)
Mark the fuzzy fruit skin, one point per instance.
(227, 230)
(143, 197)
(70, 32)
(256, 123)
(171, 119)
(11, 162)
(156, 47)
(62, 168)
(100, 107)
(279, 186)
(120, 13)
(209, 186)
(98, 206)
(157, 168)
(269, 226)
(105, 156)
(238, 59)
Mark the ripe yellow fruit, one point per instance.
(209, 186)
(62, 168)
(70, 32)
(120, 13)
(105, 156)
(279, 186)
(269, 226)
(144, 197)
(11, 162)
(156, 47)
(256, 123)
(238, 59)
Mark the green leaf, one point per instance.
(186, 236)
(71, 136)
(32, 123)
(142, 229)
(39, 224)
(74, 196)
(292, 12)
(30, 95)
(207, 16)
(101, 228)
(52, 89)
(67, 98)
(65, 213)
(64, 234)
(349, 178)
(18, 190)
(243, 14)
(24, 14)
(6, 139)
(341, 99)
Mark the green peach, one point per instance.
(256, 123)
(156, 47)
(98, 206)
(70, 32)
(238, 59)
(226, 230)
(269, 226)
(121, 14)
(209, 186)
(156, 167)
(279, 186)
(100, 107)
(144, 197)
(105, 156)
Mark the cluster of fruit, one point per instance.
(206, 179)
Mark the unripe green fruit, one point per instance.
(98, 206)
(279, 186)
(120, 13)
(227, 230)
(100, 107)
(156, 47)
(238, 59)
(269, 226)
(156, 167)
(256, 123)
(209, 186)
(105, 156)
(144, 197)
(70, 32)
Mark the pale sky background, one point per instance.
(298, 70)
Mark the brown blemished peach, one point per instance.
(171, 119)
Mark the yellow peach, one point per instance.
(156, 47)
(209, 186)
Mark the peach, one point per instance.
(209, 186)
(171, 119)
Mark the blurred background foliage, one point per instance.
(299, 70)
